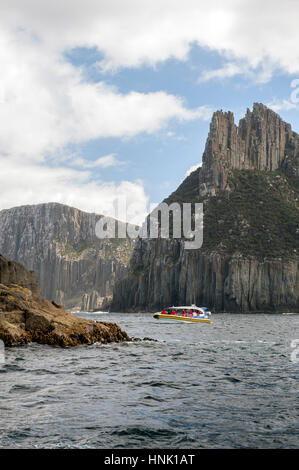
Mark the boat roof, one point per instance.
(193, 307)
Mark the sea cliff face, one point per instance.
(223, 283)
(59, 243)
(248, 184)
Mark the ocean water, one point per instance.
(230, 384)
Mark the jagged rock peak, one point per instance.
(261, 141)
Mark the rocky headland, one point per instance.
(27, 316)
(249, 260)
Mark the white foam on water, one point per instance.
(97, 313)
(2, 353)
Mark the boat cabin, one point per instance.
(187, 311)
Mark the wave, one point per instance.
(100, 312)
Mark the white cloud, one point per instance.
(227, 71)
(137, 32)
(46, 104)
(102, 162)
(281, 105)
(173, 135)
(30, 183)
(193, 168)
(260, 74)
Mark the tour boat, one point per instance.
(189, 313)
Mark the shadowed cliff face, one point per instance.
(15, 273)
(59, 243)
(248, 184)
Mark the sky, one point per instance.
(113, 98)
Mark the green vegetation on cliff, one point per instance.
(258, 216)
(118, 249)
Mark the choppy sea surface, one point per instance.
(230, 384)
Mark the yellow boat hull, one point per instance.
(178, 317)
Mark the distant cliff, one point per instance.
(249, 187)
(58, 242)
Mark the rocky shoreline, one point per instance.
(26, 316)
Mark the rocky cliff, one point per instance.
(26, 316)
(262, 141)
(59, 243)
(249, 187)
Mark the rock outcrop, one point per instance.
(260, 142)
(26, 316)
(249, 187)
(59, 243)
